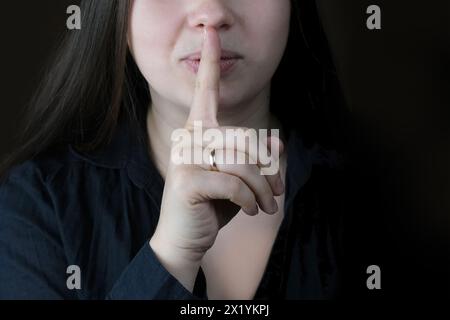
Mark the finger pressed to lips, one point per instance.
(206, 95)
(245, 177)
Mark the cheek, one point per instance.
(271, 30)
(269, 35)
(150, 36)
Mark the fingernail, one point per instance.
(254, 211)
(274, 205)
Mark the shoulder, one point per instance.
(45, 166)
(53, 171)
(41, 190)
(25, 198)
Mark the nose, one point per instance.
(211, 13)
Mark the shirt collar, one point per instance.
(114, 154)
(127, 149)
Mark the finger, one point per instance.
(259, 184)
(218, 185)
(241, 139)
(242, 151)
(264, 186)
(206, 96)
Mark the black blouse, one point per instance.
(97, 211)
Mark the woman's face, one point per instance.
(164, 32)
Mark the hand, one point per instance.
(198, 202)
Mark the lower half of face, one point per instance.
(162, 34)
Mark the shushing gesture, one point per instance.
(199, 199)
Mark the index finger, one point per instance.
(206, 96)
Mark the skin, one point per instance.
(161, 34)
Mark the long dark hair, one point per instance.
(93, 81)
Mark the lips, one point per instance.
(227, 63)
(225, 54)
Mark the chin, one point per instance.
(228, 103)
(231, 97)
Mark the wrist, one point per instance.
(180, 265)
(179, 253)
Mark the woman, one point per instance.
(93, 188)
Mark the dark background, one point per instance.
(396, 84)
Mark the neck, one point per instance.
(164, 117)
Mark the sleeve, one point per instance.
(146, 278)
(33, 263)
(32, 260)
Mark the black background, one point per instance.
(396, 83)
